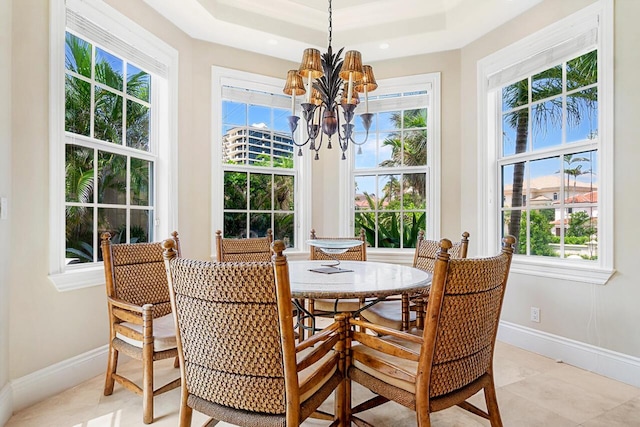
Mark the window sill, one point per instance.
(574, 271)
(79, 278)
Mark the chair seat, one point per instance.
(406, 365)
(164, 333)
(305, 374)
(329, 305)
(387, 314)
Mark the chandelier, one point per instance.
(332, 87)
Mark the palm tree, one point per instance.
(581, 71)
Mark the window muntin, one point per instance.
(258, 167)
(109, 160)
(390, 176)
(549, 161)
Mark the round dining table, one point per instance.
(370, 282)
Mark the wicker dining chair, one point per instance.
(244, 250)
(140, 321)
(452, 358)
(402, 314)
(328, 307)
(239, 360)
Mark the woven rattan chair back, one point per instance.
(466, 297)
(139, 309)
(356, 253)
(236, 342)
(427, 251)
(256, 249)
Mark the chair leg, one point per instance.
(147, 362)
(185, 414)
(112, 365)
(492, 404)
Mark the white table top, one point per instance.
(368, 279)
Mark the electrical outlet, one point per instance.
(535, 314)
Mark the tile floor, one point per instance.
(533, 391)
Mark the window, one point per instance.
(549, 138)
(111, 127)
(393, 195)
(255, 154)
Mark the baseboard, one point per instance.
(6, 405)
(618, 366)
(56, 378)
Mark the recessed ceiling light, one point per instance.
(384, 45)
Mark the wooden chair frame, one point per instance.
(448, 369)
(118, 270)
(325, 351)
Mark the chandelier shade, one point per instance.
(331, 85)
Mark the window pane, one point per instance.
(138, 126)
(109, 69)
(367, 222)
(546, 84)
(281, 120)
(580, 183)
(390, 189)
(79, 234)
(540, 234)
(415, 119)
(515, 132)
(235, 190)
(108, 116)
(141, 226)
(77, 115)
(260, 116)
(388, 144)
(414, 191)
(413, 222)
(284, 228)
(79, 174)
(365, 188)
(259, 223)
(138, 83)
(544, 181)
(235, 225)
(112, 178)
(141, 182)
(415, 148)
(234, 113)
(77, 55)
(260, 192)
(582, 115)
(547, 124)
(515, 95)
(283, 192)
(389, 230)
(113, 221)
(582, 71)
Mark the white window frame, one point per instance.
(430, 83)
(597, 17)
(164, 125)
(221, 77)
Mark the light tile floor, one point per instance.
(532, 391)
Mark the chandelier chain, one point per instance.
(330, 23)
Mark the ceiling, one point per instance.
(380, 29)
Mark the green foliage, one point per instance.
(580, 225)
(540, 234)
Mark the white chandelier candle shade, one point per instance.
(332, 87)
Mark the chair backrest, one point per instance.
(244, 250)
(427, 251)
(135, 273)
(465, 301)
(229, 333)
(356, 253)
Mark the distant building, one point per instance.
(544, 193)
(244, 145)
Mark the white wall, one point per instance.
(5, 191)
